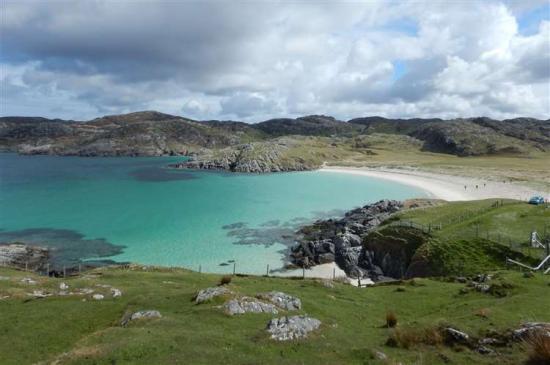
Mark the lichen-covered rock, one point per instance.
(248, 305)
(116, 293)
(340, 241)
(454, 335)
(282, 300)
(23, 256)
(290, 328)
(207, 294)
(146, 314)
(529, 328)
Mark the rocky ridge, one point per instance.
(341, 240)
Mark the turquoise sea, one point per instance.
(134, 209)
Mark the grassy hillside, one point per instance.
(75, 329)
(462, 238)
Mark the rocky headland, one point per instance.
(23, 256)
(343, 241)
(256, 157)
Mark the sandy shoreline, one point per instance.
(325, 271)
(446, 187)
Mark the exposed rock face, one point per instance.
(257, 157)
(19, 255)
(291, 328)
(340, 240)
(248, 305)
(282, 300)
(207, 294)
(390, 252)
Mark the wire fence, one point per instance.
(471, 228)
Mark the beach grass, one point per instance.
(76, 329)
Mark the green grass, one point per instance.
(73, 331)
(464, 238)
(500, 220)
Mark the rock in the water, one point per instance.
(63, 286)
(290, 328)
(248, 305)
(282, 300)
(207, 294)
(98, 296)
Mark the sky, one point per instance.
(256, 60)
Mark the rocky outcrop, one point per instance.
(291, 328)
(20, 255)
(146, 314)
(257, 157)
(341, 240)
(208, 294)
(248, 305)
(282, 300)
(391, 252)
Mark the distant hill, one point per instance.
(150, 133)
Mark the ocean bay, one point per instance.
(136, 210)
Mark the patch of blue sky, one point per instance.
(528, 23)
(399, 69)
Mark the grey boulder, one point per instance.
(290, 328)
(282, 300)
(207, 294)
(248, 305)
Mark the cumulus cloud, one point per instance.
(213, 59)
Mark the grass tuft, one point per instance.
(226, 279)
(391, 319)
(410, 337)
(539, 348)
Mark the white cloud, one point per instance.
(214, 60)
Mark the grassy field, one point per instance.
(462, 238)
(390, 150)
(75, 329)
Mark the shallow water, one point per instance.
(134, 209)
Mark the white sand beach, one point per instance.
(446, 187)
(325, 271)
(439, 186)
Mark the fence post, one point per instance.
(48, 270)
(26, 266)
(267, 271)
(200, 269)
(303, 272)
(359, 281)
(234, 267)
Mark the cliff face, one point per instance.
(341, 240)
